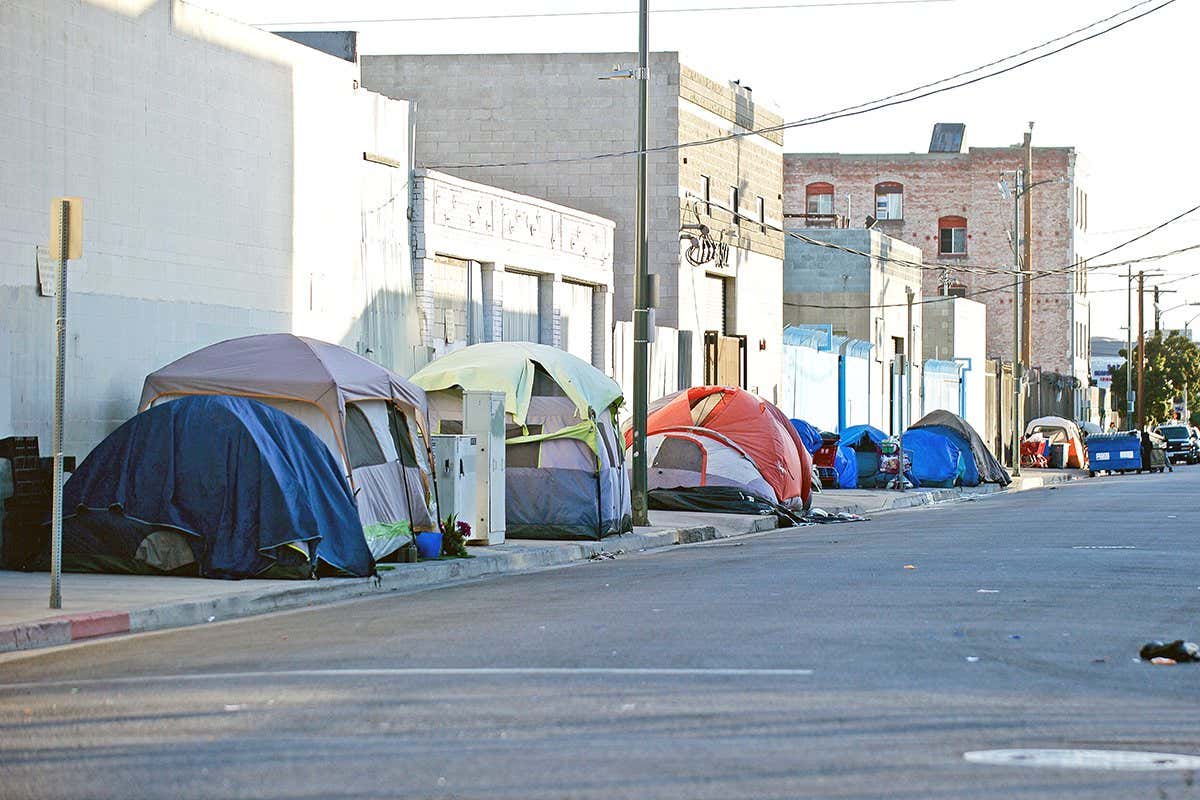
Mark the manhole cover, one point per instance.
(1085, 759)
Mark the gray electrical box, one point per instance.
(483, 418)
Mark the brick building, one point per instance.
(547, 107)
(949, 205)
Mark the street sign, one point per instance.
(74, 219)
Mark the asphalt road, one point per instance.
(806, 663)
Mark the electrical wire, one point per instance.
(605, 13)
(1026, 277)
(898, 98)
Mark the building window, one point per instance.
(762, 214)
(889, 200)
(952, 236)
(706, 193)
(820, 198)
(734, 206)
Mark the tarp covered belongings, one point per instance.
(863, 442)
(990, 470)
(808, 434)
(565, 471)
(220, 487)
(371, 419)
(1059, 430)
(757, 427)
(940, 459)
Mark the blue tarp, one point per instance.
(855, 433)
(846, 465)
(808, 434)
(245, 486)
(970, 467)
(939, 459)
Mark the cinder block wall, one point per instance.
(476, 109)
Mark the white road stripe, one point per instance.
(699, 672)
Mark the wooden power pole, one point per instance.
(1027, 267)
(1141, 353)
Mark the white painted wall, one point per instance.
(970, 342)
(224, 186)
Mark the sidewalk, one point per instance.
(101, 605)
(875, 501)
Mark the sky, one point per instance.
(1125, 101)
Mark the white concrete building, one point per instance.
(492, 265)
(956, 330)
(233, 183)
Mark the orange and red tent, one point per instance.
(756, 426)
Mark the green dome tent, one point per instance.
(565, 474)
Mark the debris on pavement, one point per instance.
(987, 591)
(606, 555)
(910, 566)
(1176, 651)
(972, 659)
(1163, 662)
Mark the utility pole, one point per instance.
(1141, 354)
(1157, 314)
(1027, 301)
(906, 411)
(641, 312)
(1128, 343)
(1016, 303)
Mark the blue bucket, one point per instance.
(429, 544)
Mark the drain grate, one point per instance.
(1132, 760)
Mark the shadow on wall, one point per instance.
(187, 172)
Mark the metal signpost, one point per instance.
(66, 243)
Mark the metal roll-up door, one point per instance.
(577, 320)
(521, 320)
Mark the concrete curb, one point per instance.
(913, 499)
(400, 578)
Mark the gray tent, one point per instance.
(371, 419)
(565, 473)
(990, 470)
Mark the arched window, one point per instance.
(820, 198)
(889, 200)
(952, 236)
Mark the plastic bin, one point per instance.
(1115, 452)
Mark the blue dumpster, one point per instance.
(1114, 452)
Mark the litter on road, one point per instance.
(1176, 651)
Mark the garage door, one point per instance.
(521, 321)
(712, 303)
(577, 320)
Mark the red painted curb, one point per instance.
(96, 623)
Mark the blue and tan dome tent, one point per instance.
(216, 487)
(565, 473)
(371, 420)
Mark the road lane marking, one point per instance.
(1127, 760)
(715, 672)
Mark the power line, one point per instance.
(1083, 265)
(606, 13)
(899, 98)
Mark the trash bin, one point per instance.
(1115, 452)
